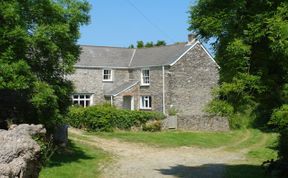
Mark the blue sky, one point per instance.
(123, 22)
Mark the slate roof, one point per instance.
(113, 57)
(119, 89)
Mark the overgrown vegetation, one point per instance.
(108, 118)
(252, 50)
(37, 49)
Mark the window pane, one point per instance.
(75, 96)
(82, 103)
(82, 96)
(75, 102)
(87, 103)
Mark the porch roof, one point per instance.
(119, 89)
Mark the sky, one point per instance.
(120, 23)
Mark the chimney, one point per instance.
(191, 38)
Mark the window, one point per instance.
(145, 102)
(107, 75)
(82, 100)
(145, 77)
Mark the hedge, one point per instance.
(108, 118)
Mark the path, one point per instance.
(141, 161)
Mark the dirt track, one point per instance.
(139, 160)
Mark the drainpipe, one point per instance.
(163, 89)
(111, 100)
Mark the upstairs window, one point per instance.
(145, 102)
(145, 77)
(107, 75)
(84, 100)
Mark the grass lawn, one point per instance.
(78, 161)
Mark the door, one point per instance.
(128, 102)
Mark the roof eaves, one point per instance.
(210, 56)
(192, 46)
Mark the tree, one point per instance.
(149, 44)
(37, 49)
(252, 49)
(131, 46)
(140, 44)
(160, 43)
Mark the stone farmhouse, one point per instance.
(178, 77)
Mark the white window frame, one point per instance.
(145, 102)
(111, 75)
(76, 97)
(144, 81)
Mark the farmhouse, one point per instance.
(178, 77)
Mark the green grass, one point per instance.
(79, 160)
(176, 139)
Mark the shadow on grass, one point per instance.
(71, 153)
(216, 171)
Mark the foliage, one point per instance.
(252, 50)
(37, 49)
(107, 118)
(140, 44)
(152, 126)
(47, 149)
(280, 117)
(172, 111)
(251, 43)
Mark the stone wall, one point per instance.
(19, 153)
(90, 81)
(154, 89)
(190, 82)
(202, 123)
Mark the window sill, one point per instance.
(146, 109)
(145, 85)
(107, 81)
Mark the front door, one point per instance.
(128, 102)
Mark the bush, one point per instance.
(107, 118)
(280, 117)
(152, 126)
(220, 108)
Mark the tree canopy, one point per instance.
(141, 44)
(37, 49)
(251, 48)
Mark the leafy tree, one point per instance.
(251, 48)
(131, 46)
(149, 45)
(140, 44)
(160, 43)
(37, 49)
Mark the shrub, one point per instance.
(152, 126)
(107, 118)
(280, 117)
(220, 108)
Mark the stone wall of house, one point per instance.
(154, 89)
(190, 82)
(19, 153)
(202, 123)
(90, 81)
